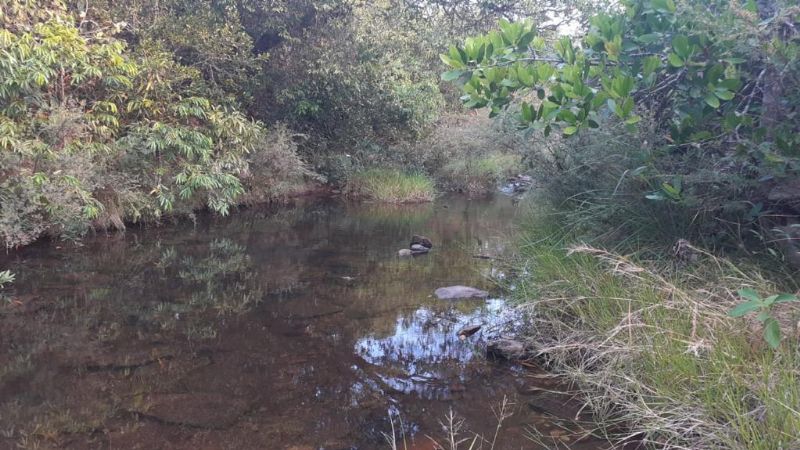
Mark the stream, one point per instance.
(295, 327)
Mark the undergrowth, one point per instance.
(651, 345)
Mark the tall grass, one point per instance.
(391, 186)
(652, 348)
(478, 175)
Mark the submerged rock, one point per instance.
(505, 349)
(405, 252)
(201, 410)
(421, 240)
(468, 331)
(457, 292)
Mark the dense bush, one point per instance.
(691, 105)
(92, 132)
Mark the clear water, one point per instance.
(290, 328)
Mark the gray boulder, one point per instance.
(417, 248)
(457, 292)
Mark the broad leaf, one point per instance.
(772, 333)
(712, 101)
(744, 308)
(785, 298)
(451, 75)
(675, 60)
(749, 294)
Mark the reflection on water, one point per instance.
(424, 356)
(276, 328)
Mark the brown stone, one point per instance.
(468, 331)
(421, 240)
(505, 349)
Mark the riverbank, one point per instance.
(651, 344)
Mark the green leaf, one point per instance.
(681, 45)
(712, 101)
(633, 120)
(731, 84)
(451, 75)
(525, 40)
(649, 38)
(723, 94)
(527, 112)
(749, 294)
(744, 308)
(450, 62)
(569, 131)
(525, 77)
(770, 300)
(785, 298)
(675, 60)
(650, 64)
(734, 60)
(772, 333)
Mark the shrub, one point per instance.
(93, 134)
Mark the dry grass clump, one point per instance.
(654, 351)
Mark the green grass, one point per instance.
(653, 349)
(478, 176)
(391, 186)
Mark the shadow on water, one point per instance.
(285, 328)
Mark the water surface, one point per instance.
(289, 328)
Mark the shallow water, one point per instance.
(291, 328)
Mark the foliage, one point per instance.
(711, 83)
(772, 330)
(91, 131)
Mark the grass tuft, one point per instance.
(653, 348)
(391, 186)
(478, 175)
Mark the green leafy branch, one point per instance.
(772, 329)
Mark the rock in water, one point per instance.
(417, 248)
(456, 292)
(405, 252)
(468, 331)
(421, 240)
(505, 349)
